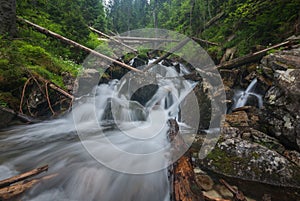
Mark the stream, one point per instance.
(108, 148)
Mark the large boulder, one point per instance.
(6, 116)
(282, 100)
(243, 151)
(86, 81)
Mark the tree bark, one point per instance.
(8, 18)
(249, 58)
(184, 185)
(12, 192)
(21, 177)
(113, 39)
(77, 45)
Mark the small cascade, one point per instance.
(248, 97)
(134, 128)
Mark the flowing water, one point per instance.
(241, 98)
(73, 145)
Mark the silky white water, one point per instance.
(96, 157)
(241, 97)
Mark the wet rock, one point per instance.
(283, 60)
(282, 125)
(144, 94)
(68, 81)
(204, 181)
(6, 116)
(212, 194)
(229, 77)
(265, 140)
(289, 81)
(140, 60)
(243, 117)
(86, 81)
(224, 192)
(282, 101)
(293, 156)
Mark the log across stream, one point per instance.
(105, 149)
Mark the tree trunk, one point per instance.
(8, 18)
(77, 45)
(250, 58)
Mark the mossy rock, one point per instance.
(250, 161)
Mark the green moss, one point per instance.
(255, 155)
(226, 162)
(128, 57)
(221, 160)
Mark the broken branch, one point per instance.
(23, 93)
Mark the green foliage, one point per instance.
(245, 23)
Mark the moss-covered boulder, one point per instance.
(250, 161)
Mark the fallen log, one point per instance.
(19, 116)
(171, 51)
(113, 39)
(250, 58)
(184, 186)
(205, 41)
(124, 38)
(13, 191)
(75, 44)
(23, 176)
(213, 20)
(185, 182)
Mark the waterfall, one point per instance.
(73, 150)
(241, 98)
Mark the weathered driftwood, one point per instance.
(23, 176)
(13, 191)
(184, 184)
(249, 58)
(171, 51)
(113, 39)
(75, 44)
